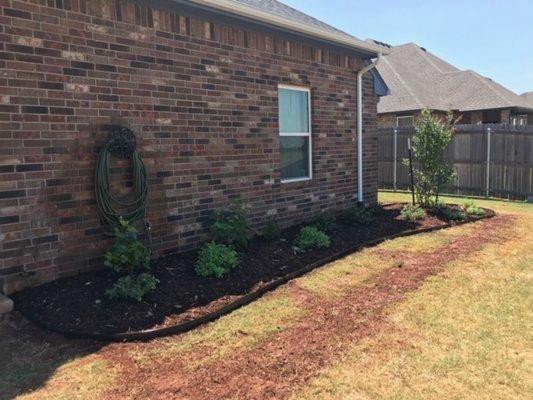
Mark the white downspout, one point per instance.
(360, 74)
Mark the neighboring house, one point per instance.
(228, 99)
(418, 79)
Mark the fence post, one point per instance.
(394, 165)
(487, 182)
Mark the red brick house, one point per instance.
(228, 99)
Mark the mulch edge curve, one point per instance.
(145, 335)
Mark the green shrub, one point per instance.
(412, 213)
(132, 287)
(471, 209)
(271, 231)
(216, 259)
(233, 226)
(357, 215)
(323, 222)
(451, 214)
(128, 254)
(310, 237)
(431, 172)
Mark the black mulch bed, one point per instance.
(79, 303)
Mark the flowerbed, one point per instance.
(78, 305)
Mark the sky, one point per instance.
(491, 37)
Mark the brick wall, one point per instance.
(201, 96)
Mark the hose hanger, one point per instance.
(121, 143)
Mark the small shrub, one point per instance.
(471, 209)
(310, 237)
(412, 213)
(323, 222)
(357, 216)
(271, 231)
(233, 226)
(132, 287)
(452, 214)
(128, 254)
(216, 259)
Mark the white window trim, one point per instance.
(521, 116)
(302, 134)
(405, 116)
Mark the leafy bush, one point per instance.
(132, 287)
(271, 231)
(128, 254)
(412, 213)
(233, 226)
(323, 222)
(471, 209)
(216, 259)
(357, 215)
(431, 138)
(452, 214)
(310, 237)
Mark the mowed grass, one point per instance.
(467, 333)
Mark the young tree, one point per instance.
(431, 138)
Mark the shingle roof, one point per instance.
(283, 10)
(417, 78)
(281, 15)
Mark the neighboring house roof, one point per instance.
(528, 96)
(277, 14)
(418, 79)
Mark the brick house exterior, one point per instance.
(200, 92)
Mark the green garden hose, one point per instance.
(111, 208)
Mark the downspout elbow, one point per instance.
(360, 197)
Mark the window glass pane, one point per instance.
(405, 121)
(293, 111)
(294, 154)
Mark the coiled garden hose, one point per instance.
(112, 208)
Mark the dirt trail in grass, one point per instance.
(277, 367)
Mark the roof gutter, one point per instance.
(360, 197)
(243, 10)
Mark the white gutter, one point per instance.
(360, 74)
(233, 7)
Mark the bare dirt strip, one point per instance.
(276, 368)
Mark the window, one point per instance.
(294, 105)
(518, 120)
(407, 120)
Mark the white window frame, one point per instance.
(300, 134)
(521, 116)
(406, 116)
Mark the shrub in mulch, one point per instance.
(80, 303)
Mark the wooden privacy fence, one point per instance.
(490, 160)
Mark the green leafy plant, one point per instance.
(271, 231)
(216, 259)
(357, 215)
(128, 254)
(232, 226)
(412, 213)
(451, 213)
(429, 142)
(310, 237)
(133, 287)
(471, 209)
(323, 222)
